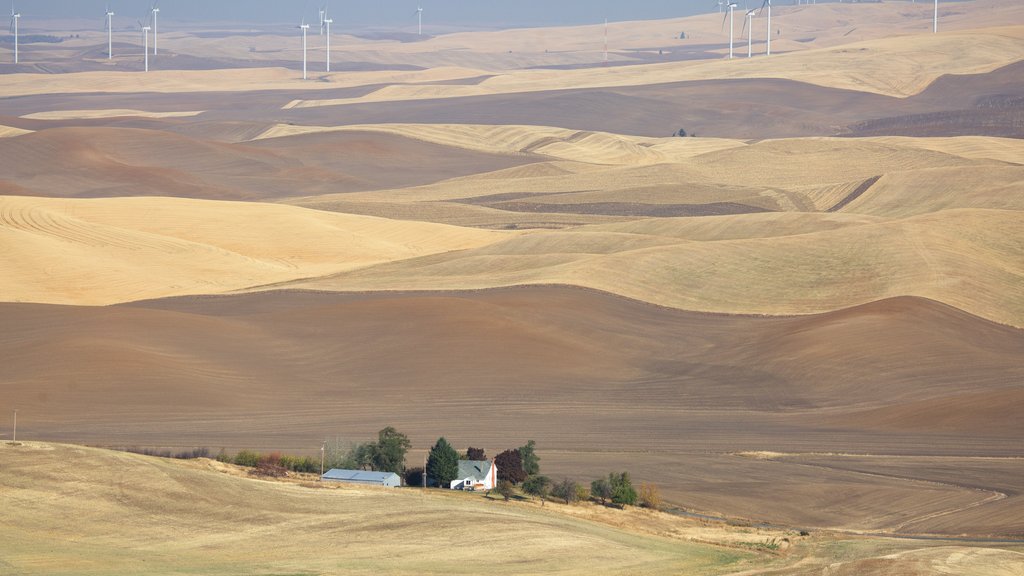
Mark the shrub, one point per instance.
(539, 486)
(475, 454)
(601, 490)
(273, 459)
(582, 493)
(414, 476)
(650, 496)
(193, 454)
(267, 468)
(567, 490)
(505, 489)
(247, 458)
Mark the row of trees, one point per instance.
(617, 489)
(516, 467)
(387, 454)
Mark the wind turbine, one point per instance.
(304, 27)
(605, 41)
(323, 14)
(720, 3)
(145, 38)
(15, 16)
(768, 45)
(155, 11)
(749, 30)
(328, 21)
(935, 19)
(732, 7)
(419, 14)
(110, 33)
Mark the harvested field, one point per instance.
(808, 316)
(995, 478)
(576, 370)
(105, 162)
(105, 251)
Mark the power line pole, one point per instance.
(323, 448)
(15, 438)
(423, 477)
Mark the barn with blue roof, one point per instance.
(363, 477)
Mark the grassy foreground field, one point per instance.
(76, 510)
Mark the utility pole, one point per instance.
(323, 448)
(423, 477)
(15, 438)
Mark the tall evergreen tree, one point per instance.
(443, 463)
(531, 462)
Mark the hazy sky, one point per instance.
(383, 13)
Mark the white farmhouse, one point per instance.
(476, 475)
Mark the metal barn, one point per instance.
(386, 479)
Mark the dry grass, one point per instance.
(138, 514)
(555, 143)
(135, 514)
(966, 258)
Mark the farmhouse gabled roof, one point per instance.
(475, 469)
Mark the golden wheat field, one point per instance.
(787, 290)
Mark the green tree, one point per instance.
(539, 486)
(601, 490)
(389, 452)
(443, 463)
(531, 462)
(623, 492)
(567, 490)
(361, 456)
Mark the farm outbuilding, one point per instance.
(386, 479)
